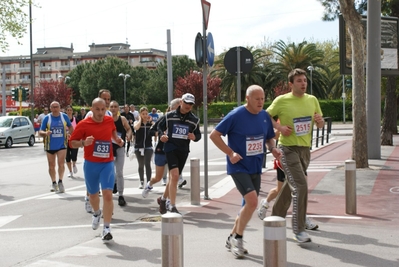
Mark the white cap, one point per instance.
(188, 98)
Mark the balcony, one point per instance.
(45, 68)
(24, 69)
(65, 67)
(24, 80)
(8, 81)
(148, 64)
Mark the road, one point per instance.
(36, 223)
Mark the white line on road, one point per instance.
(36, 197)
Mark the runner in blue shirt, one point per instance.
(54, 132)
(249, 129)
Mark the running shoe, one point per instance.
(95, 223)
(61, 187)
(162, 205)
(182, 183)
(54, 187)
(309, 225)
(88, 207)
(302, 237)
(173, 209)
(121, 201)
(262, 209)
(228, 244)
(146, 190)
(75, 169)
(237, 248)
(70, 175)
(106, 236)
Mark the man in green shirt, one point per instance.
(297, 112)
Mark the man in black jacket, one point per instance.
(130, 118)
(181, 126)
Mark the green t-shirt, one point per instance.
(296, 112)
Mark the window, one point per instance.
(24, 121)
(16, 123)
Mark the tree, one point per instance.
(290, 56)
(104, 74)
(73, 82)
(13, 21)
(49, 91)
(353, 21)
(193, 83)
(157, 85)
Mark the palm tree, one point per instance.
(290, 56)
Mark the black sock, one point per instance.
(59, 181)
(54, 182)
(238, 236)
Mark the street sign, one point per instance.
(246, 60)
(210, 49)
(206, 9)
(199, 55)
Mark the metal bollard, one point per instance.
(274, 242)
(172, 240)
(350, 186)
(195, 181)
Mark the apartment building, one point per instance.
(55, 62)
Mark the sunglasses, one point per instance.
(188, 103)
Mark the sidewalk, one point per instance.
(369, 238)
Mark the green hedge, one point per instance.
(330, 108)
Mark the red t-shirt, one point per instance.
(101, 148)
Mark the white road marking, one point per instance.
(38, 196)
(6, 219)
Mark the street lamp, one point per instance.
(310, 68)
(125, 76)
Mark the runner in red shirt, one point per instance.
(95, 134)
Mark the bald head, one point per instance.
(97, 100)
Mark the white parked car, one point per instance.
(16, 130)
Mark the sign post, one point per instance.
(236, 61)
(206, 8)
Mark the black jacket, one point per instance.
(177, 126)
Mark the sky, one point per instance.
(144, 24)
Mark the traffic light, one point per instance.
(26, 94)
(23, 94)
(14, 94)
(348, 83)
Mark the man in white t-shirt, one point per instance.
(134, 112)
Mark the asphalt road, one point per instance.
(34, 220)
(36, 223)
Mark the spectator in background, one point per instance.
(134, 112)
(41, 116)
(36, 124)
(82, 115)
(154, 115)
